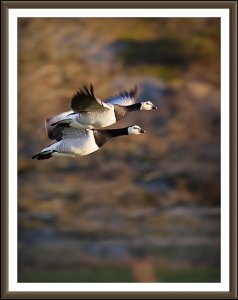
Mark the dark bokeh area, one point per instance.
(143, 208)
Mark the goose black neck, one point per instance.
(103, 135)
(116, 132)
(134, 107)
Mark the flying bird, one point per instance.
(72, 141)
(89, 112)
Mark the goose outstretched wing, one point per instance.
(62, 131)
(55, 132)
(65, 132)
(85, 100)
(125, 98)
(71, 133)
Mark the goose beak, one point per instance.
(154, 107)
(142, 131)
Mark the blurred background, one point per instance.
(143, 208)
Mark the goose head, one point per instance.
(135, 130)
(147, 105)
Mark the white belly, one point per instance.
(87, 148)
(80, 146)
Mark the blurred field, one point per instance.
(141, 209)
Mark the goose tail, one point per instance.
(63, 123)
(43, 155)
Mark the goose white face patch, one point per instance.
(135, 130)
(147, 105)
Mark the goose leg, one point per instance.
(71, 123)
(43, 155)
(49, 153)
(62, 154)
(63, 121)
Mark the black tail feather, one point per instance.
(59, 123)
(43, 155)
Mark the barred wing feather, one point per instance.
(74, 133)
(124, 98)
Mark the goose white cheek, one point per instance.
(135, 130)
(147, 105)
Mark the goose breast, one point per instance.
(97, 119)
(81, 146)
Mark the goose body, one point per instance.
(91, 119)
(88, 112)
(72, 141)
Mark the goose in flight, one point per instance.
(72, 141)
(89, 112)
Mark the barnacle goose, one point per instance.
(72, 141)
